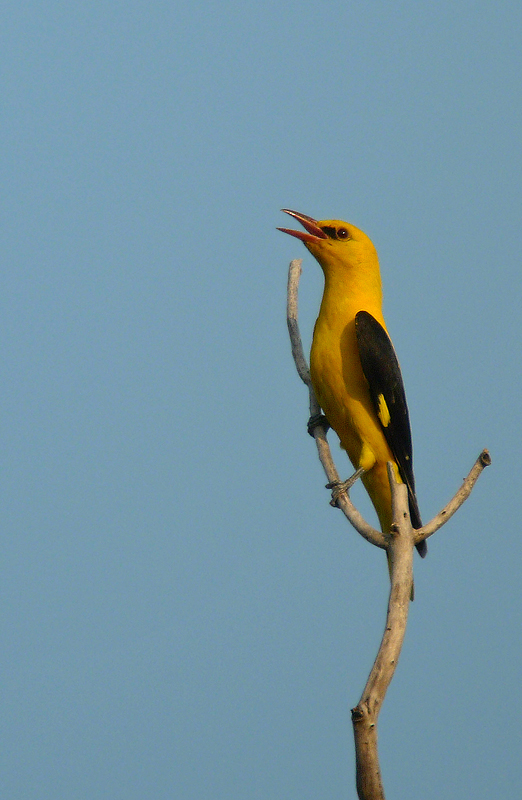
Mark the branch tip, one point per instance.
(485, 458)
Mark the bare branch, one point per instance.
(294, 274)
(484, 460)
(399, 544)
(323, 448)
(364, 715)
(319, 433)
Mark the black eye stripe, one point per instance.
(330, 231)
(336, 233)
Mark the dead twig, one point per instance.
(399, 544)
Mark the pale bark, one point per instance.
(399, 543)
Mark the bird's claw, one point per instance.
(316, 421)
(340, 487)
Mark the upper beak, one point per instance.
(309, 223)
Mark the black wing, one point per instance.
(381, 370)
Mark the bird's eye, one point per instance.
(342, 233)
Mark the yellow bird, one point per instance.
(354, 369)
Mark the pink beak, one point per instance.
(308, 223)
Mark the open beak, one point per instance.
(309, 224)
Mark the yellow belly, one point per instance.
(343, 394)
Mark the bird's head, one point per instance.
(334, 243)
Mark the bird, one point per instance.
(353, 366)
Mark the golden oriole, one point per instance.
(353, 366)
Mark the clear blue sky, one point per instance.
(183, 614)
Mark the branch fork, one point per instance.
(399, 544)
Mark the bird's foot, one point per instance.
(316, 421)
(340, 487)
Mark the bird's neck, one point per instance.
(348, 290)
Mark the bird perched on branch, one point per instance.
(353, 366)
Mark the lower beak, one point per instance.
(308, 223)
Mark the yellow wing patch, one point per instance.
(383, 412)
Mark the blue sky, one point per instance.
(183, 614)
